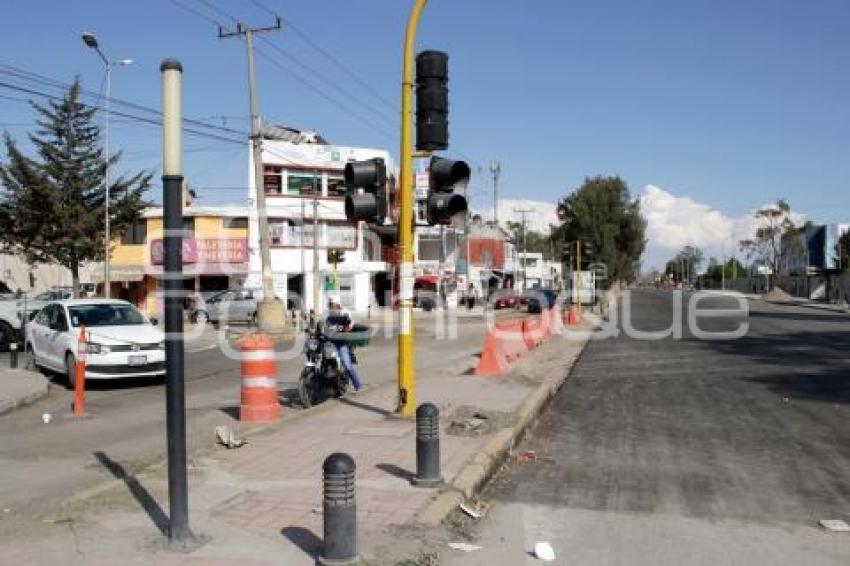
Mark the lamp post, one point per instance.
(91, 41)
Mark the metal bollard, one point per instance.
(427, 447)
(13, 355)
(340, 511)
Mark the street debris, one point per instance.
(470, 511)
(525, 456)
(836, 525)
(227, 438)
(46, 418)
(464, 547)
(58, 521)
(544, 551)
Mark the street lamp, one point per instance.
(91, 41)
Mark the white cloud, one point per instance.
(674, 222)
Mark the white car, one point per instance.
(121, 341)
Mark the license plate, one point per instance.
(137, 360)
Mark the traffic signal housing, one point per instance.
(371, 176)
(432, 101)
(336, 256)
(443, 203)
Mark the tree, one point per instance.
(52, 205)
(603, 212)
(531, 240)
(765, 247)
(732, 269)
(685, 264)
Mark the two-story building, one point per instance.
(215, 255)
(537, 272)
(305, 201)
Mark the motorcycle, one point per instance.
(323, 370)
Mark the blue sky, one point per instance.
(724, 102)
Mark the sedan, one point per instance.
(506, 299)
(119, 340)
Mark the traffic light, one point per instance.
(336, 256)
(443, 203)
(432, 101)
(586, 249)
(371, 176)
(567, 253)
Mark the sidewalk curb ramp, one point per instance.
(29, 387)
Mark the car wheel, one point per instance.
(7, 336)
(71, 370)
(201, 317)
(254, 320)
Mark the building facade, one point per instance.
(215, 255)
(305, 201)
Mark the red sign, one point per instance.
(205, 250)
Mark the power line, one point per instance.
(336, 102)
(196, 12)
(29, 76)
(339, 64)
(153, 121)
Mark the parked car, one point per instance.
(122, 342)
(13, 315)
(506, 299)
(538, 299)
(228, 306)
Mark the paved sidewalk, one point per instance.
(261, 504)
(20, 387)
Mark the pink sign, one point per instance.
(205, 250)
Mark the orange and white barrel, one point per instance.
(259, 380)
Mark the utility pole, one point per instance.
(495, 169)
(316, 274)
(270, 311)
(524, 211)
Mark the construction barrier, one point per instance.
(510, 337)
(493, 361)
(534, 330)
(259, 380)
(573, 317)
(80, 375)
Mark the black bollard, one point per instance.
(427, 447)
(13, 354)
(340, 511)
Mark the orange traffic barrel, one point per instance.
(259, 380)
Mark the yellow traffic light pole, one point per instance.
(406, 372)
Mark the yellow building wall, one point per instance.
(125, 255)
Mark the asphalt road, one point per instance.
(42, 465)
(687, 451)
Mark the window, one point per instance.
(136, 233)
(302, 184)
(272, 181)
(336, 187)
(105, 315)
(189, 225)
(238, 223)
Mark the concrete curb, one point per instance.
(482, 466)
(35, 390)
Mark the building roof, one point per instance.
(226, 210)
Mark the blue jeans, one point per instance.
(345, 357)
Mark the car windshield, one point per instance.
(105, 315)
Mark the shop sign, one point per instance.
(205, 250)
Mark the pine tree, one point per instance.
(52, 205)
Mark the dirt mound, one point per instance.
(777, 295)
